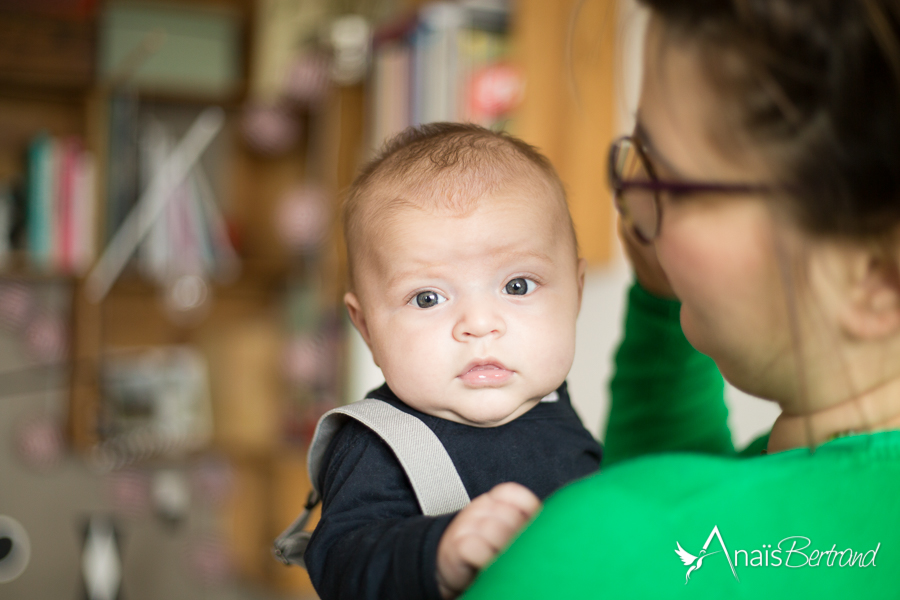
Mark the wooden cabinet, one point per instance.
(567, 51)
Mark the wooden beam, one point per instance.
(566, 51)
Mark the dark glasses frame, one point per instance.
(620, 186)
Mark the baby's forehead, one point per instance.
(394, 204)
(460, 183)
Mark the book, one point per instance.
(122, 171)
(449, 63)
(62, 245)
(7, 216)
(59, 205)
(441, 28)
(41, 194)
(189, 237)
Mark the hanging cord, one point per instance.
(787, 271)
(790, 268)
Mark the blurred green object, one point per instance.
(171, 49)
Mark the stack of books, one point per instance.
(448, 62)
(60, 205)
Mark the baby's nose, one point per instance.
(479, 320)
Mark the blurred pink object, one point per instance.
(129, 492)
(270, 129)
(305, 360)
(212, 481)
(210, 561)
(302, 218)
(308, 78)
(15, 305)
(496, 90)
(39, 442)
(45, 337)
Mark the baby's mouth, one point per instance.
(485, 373)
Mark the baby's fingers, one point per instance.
(489, 535)
(516, 496)
(476, 550)
(479, 532)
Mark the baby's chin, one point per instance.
(486, 414)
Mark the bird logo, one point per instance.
(688, 559)
(695, 562)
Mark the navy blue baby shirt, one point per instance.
(372, 541)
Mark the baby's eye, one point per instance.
(427, 299)
(519, 286)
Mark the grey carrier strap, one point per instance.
(434, 479)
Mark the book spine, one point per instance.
(6, 224)
(418, 83)
(62, 259)
(41, 195)
(84, 204)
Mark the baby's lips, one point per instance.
(483, 364)
(485, 372)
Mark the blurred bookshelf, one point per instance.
(76, 98)
(306, 91)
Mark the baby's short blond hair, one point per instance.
(444, 166)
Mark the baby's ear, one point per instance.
(354, 308)
(872, 309)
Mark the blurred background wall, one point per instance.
(171, 266)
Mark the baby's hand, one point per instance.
(479, 532)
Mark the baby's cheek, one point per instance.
(551, 342)
(411, 354)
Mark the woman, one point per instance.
(762, 189)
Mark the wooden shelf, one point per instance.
(19, 268)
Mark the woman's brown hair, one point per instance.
(818, 86)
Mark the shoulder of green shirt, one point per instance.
(665, 396)
(670, 308)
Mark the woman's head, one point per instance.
(816, 86)
(802, 96)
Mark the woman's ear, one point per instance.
(354, 309)
(872, 307)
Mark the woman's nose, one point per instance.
(478, 320)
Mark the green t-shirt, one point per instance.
(796, 524)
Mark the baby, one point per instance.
(465, 283)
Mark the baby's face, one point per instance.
(471, 318)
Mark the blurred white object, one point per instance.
(186, 299)
(15, 549)
(101, 566)
(171, 495)
(350, 41)
(157, 404)
(153, 201)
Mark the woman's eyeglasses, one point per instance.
(636, 189)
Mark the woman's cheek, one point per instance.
(682, 264)
(700, 281)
